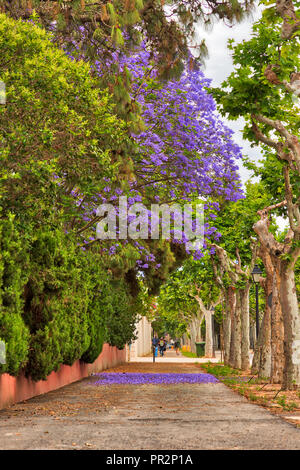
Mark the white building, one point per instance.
(142, 346)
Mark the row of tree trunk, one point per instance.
(195, 331)
(236, 328)
(277, 355)
(268, 360)
(277, 349)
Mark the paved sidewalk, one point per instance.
(170, 356)
(162, 417)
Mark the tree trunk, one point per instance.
(291, 320)
(229, 304)
(245, 325)
(232, 307)
(208, 334)
(238, 304)
(273, 336)
(284, 256)
(277, 332)
(261, 364)
(237, 335)
(193, 333)
(262, 356)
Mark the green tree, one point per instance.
(56, 123)
(233, 258)
(103, 27)
(188, 296)
(263, 89)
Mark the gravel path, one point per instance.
(161, 417)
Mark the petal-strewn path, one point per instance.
(148, 416)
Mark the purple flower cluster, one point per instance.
(185, 146)
(135, 378)
(184, 151)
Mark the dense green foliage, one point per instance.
(58, 303)
(107, 24)
(13, 264)
(121, 316)
(56, 124)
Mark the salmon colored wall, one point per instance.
(15, 389)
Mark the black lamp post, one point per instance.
(213, 330)
(256, 273)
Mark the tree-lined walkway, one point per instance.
(170, 356)
(179, 416)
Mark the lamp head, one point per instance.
(256, 273)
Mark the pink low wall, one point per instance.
(15, 389)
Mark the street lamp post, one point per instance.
(256, 273)
(213, 330)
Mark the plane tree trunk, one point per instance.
(236, 322)
(277, 332)
(229, 307)
(284, 256)
(261, 364)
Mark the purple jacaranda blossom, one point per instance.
(184, 151)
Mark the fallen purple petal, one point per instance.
(116, 378)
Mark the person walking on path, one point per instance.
(177, 346)
(162, 346)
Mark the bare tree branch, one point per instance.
(291, 24)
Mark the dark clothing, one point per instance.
(155, 341)
(162, 346)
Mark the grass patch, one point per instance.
(219, 370)
(286, 406)
(189, 354)
(252, 397)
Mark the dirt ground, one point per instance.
(173, 417)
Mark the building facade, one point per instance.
(142, 346)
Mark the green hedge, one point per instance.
(122, 316)
(58, 303)
(99, 306)
(13, 276)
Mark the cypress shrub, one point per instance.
(56, 304)
(122, 316)
(98, 306)
(13, 274)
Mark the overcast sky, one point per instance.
(219, 65)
